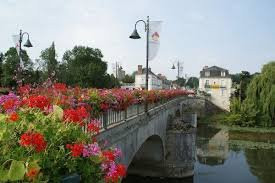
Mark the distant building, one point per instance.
(166, 84)
(217, 82)
(120, 73)
(154, 82)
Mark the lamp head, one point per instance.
(28, 43)
(135, 35)
(173, 67)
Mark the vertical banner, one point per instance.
(15, 39)
(154, 36)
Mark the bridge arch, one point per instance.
(149, 158)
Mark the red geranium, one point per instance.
(41, 102)
(94, 126)
(60, 87)
(32, 173)
(121, 170)
(35, 140)
(9, 104)
(14, 116)
(76, 149)
(76, 115)
(108, 155)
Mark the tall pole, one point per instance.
(20, 68)
(147, 53)
(116, 69)
(147, 59)
(178, 69)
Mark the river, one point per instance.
(224, 156)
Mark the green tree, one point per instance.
(128, 79)
(1, 65)
(261, 96)
(111, 81)
(84, 66)
(193, 82)
(48, 56)
(180, 81)
(11, 66)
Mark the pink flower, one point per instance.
(91, 150)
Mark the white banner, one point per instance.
(154, 36)
(15, 39)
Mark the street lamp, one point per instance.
(178, 66)
(135, 35)
(28, 45)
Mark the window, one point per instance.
(222, 73)
(222, 83)
(207, 84)
(207, 73)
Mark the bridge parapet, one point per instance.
(111, 117)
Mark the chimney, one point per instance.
(139, 69)
(205, 67)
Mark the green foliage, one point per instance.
(258, 107)
(10, 68)
(235, 105)
(17, 170)
(49, 57)
(193, 82)
(128, 79)
(84, 67)
(233, 119)
(180, 82)
(81, 66)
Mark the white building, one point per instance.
(154, 82)
(217, 82)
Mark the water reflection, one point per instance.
(212, 145)
(217, 161)
(262, 164)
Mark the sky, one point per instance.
(233, 34)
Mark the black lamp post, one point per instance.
(178, 65)
(28, 45)
(135, 35)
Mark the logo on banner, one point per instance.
(155, 36)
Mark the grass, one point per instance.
(217, 121)
(243, 144)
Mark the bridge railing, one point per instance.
(112, 117)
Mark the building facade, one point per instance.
(217, 82)
(154, 82)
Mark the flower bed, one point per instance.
(41, 136)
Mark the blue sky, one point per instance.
(234, 34)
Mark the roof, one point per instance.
(215, 68)
(215, 72)
(150, 72)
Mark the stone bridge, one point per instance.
(142, 137)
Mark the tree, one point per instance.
(10, 67)
(236, 78)
(1, 64)
(84, 66)
(111, 81)
(49, 57)
(180, 82)
(128, 79)
(261, 96)
(193, 82)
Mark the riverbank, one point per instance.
(218, 121)
(242, 137)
